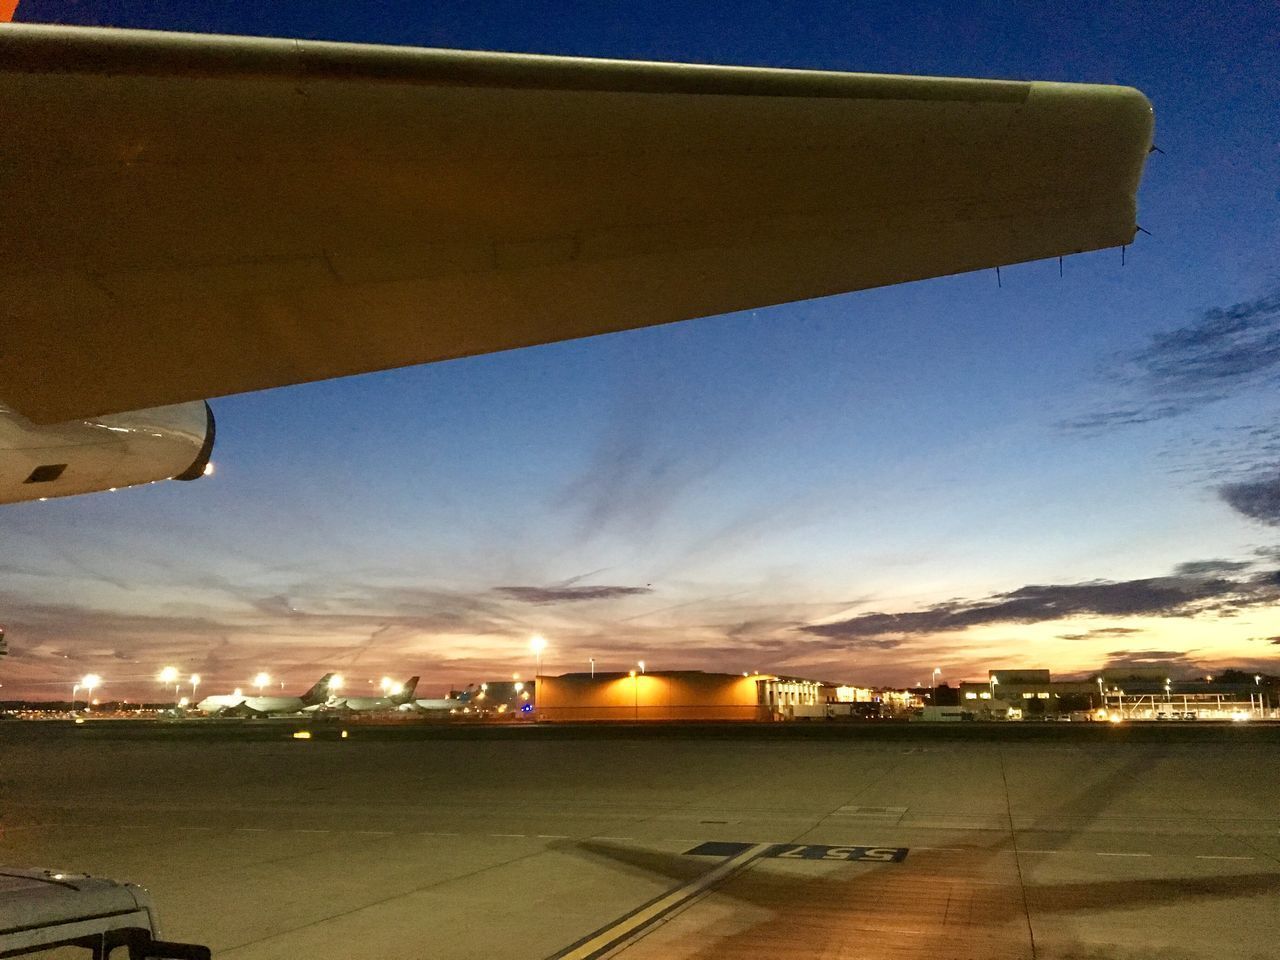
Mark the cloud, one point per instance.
(1175, 596)
(1099, 633)
(1221, 352)
(569, 594)
(1175, 662)
(1257, 499)
(1202, 568)
(642, 466)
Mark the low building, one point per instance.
(873, 701)
(675, 695)
(1128, 693)
(1021, 694)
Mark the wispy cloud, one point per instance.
(1221, 352)
(569, 594)
(640, 470)
(1176, 662)
(1100, 633)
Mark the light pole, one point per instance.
(75, 688)
(87, 683)
(994, 683)
(195, 684)
(261, 680)
(937, 672)
(170, 675)
(537, 643)
(1101, 695)
(641, 666)
(1257, 682)
(635, 694)
(593, 667)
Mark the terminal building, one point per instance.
(677, 695)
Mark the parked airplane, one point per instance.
(443, 705)
(239, 705)
(620, 195)
(396, 695)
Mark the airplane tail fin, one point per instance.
(318, 693)
(405, 695)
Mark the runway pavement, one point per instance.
(679, 845)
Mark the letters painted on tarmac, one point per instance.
(806, 851)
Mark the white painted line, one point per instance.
(517, 836)
(552, 836)
(603, 941)
(1106, 854)
(1205, 856)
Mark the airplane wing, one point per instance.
(189, 216)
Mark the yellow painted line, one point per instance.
(597, 944)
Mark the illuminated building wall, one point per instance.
(658, 695)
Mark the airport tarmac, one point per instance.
(645, 844)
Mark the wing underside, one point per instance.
(191, 216)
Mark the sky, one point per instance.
(1065, 472)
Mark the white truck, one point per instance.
(50, 914)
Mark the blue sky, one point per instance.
(750, 491)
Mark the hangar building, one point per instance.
(674, 695)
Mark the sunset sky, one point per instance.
(1059, 472)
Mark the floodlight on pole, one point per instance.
(537, 643)
(336, 682)
(195, 683)
(261, 680)
(87, 683)
(170, 675)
